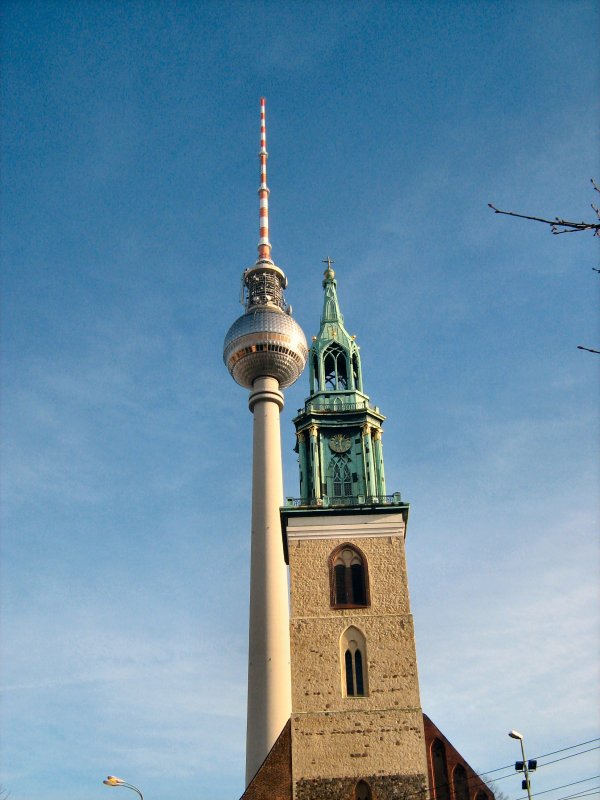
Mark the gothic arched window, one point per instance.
(341, 478)
(336, 370)
(356, 372)
(354, 663)
(440, 770)
(460, 783)
(362, 791)
(348, 577)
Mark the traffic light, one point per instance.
(525, 784)
(519, 766)
(532, 764)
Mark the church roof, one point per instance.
(273, 781)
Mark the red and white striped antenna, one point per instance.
(264, 245)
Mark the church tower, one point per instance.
(265, 351)
(356, 721)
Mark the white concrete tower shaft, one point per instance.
(269, 677)
(265, 351)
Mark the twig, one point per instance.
(556, 223)
(589, 349)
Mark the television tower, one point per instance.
(265, 351)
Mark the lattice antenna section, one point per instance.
(263, 283)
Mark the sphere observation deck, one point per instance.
(265, 342)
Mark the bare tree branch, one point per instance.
(589, 349)
(498, 793)
(557, 224)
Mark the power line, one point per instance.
(539, 766)
(553, 753)
(577, 795)
(479, 776)
(585, 793)
(572, 747)
(473, 779)
(555, 760)
(502, 777)
(564, 786)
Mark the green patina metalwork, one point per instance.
(338, 431)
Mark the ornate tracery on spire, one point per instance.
(335, 358)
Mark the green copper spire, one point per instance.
(338, 431)
(334, 355)
(331, 307)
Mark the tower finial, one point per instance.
(264, 245)
(329, 273)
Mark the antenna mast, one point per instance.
(264, 245)
(263, 283)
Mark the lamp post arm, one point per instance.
(125, 785)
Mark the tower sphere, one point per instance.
(265, 342)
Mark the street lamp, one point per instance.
(111, 780)
(524, 766)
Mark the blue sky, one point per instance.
(129, 210)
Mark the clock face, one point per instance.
(340, 443)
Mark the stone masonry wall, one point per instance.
(390, 787)
(339, 740)
(390, 672)
(309, 576)
(357, 744)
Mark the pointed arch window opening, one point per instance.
(356, 373)
(341, 477)
(362, 791)
(315, 365)
(335, 365)
(349, 586)
(354, 663)
(349, 670)
(460, 783)
(440, 770)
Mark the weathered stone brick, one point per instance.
(339, 740)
